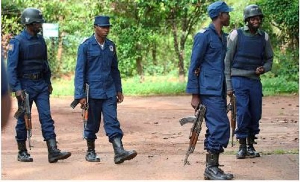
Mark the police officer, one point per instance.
(97, 66)
(206, 83)
(28, 70)
(249, 55)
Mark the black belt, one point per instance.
(36, 76)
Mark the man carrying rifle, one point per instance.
(206, 83)
(97, 66)
(29, 73)
(249, 55)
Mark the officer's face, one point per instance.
(36, 27)
(102, 31)
(225, 18)
(254, 22)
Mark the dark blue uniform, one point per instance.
(28, 70)
(208, 54)
(98, 67)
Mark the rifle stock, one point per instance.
(195, 131)
(232, 108)
(84, 108)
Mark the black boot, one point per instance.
(251, 152)
(54, 154)
(242, 150)
(91, 155)
(212, 170)
(120, 154)
(23, 155)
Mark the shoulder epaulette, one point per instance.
(84, 40)
(203, 30)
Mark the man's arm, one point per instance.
(198, 53)
(268, 54)
(12, 65)
(79, 79)
(231, 48)
(115, 72)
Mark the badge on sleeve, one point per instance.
(111, 48)
(10, 47)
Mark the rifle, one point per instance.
(195, 130)
(85, 108)
(232, 108)
(24, 108)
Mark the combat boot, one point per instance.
(212, 170)
(91, 155)
(23, 155)
(120, 154)
(242, 150)
(251, 152)
(54, 154)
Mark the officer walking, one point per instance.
(97, 66)
(249, 55)
(28, 70)
(206, 83)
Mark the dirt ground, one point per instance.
(151, 127)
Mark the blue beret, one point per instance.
(218, 7)
(102, 21)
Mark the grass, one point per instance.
(170, 85)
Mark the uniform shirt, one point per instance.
(97, 67)
(208, 54)
(14, 60)
(231, 45)
(4, 85)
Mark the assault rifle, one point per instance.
(195, 130)
(24, 108)
(232, 108)
(85, 108)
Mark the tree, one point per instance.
(182, 16)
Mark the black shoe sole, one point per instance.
(94, 160)
(59, 158)
(25, 160)
(127, 158)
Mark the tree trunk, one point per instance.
(179, 52)
(139, 64)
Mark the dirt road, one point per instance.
(151, 128)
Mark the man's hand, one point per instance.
(50, 89)
(259, 70)
(19, 95)
(120, 97)
(82, 103)
(230, 93)
(195, 100)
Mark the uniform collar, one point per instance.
(212, 26)
(246, 29)
(28, 35)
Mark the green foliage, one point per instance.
(142, 31)
(283, 14)
(158, 85)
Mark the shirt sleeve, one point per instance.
(47, 68)
(12, 65)
(80, 72)
(198, 53)
(4, 83)
(231, 48)
(116, 72)
(268, 54)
